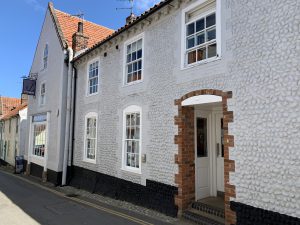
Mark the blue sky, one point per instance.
(21, 22)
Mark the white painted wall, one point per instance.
(23, 141)
(55, 78)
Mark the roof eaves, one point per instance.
(58, 29)
(126, 27)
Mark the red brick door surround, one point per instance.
(185, 179)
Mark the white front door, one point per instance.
(220, 152)
(202, 159)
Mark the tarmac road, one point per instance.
(23, 203)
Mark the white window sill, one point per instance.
(132, 170)
(203, 62)
(89, 95)
(38, 157)
(133, 83)
(89, 161)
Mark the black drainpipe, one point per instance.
(69, 177)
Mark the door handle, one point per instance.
(218, 149)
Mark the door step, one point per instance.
(200, 206)
(205, 213)
(202, 218)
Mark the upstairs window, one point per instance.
(45, 57)
(43, 94)
(90, 137)
(201, 33)
(93, 78)
(134, 61)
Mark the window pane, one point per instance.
(139, 44)
(140, 65)
(137, 119)
(129, 78)
(192, 57)
(211, 34)
(133, 46)
(128, 49)
(190, 42)
(129, 146)
(201, 54)
(139, 54)
(199, 25)
(128, 120)
(135, 66)
(129, 68)
(211, 20)
(128, 160)
(201, 137)
(137, 133)
(190, 29)
(139, 75)
(129, 58)
(212, 50)
(200, 38)
(134, 77)
(133, 56)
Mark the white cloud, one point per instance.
(143, 5)
(36, 5)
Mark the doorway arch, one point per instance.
(185, 158)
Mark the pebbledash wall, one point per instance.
(258, 64)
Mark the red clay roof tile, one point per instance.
(69, 24)
(7, 104)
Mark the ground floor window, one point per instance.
(132, 138)
(90, 137)
(39, 135)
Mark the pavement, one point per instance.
(26, 200)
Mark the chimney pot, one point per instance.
(80, 27)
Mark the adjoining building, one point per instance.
(62, 35)
(194, 102)
(6, 105)
(13, 133)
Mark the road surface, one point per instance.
(23, 203)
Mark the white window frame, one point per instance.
(42, 95)
(184, 12)
(129, 110)
(88, 77)
(45, 57)
(128, 42)
(46, 136)
(90, 115)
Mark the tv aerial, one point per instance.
(131, 5)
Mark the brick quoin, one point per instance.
(185, 158)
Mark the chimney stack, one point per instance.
(130, 18)
(79, 40)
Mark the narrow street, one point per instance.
(27, 204)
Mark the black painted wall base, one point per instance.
(52, 176)
(248, 215)
(3, 163)
(36, 170)
(154, 195)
